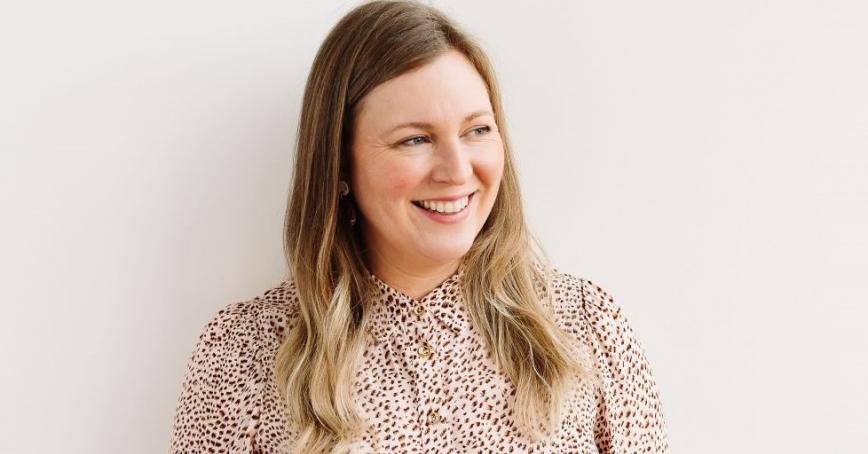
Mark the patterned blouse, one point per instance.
(425, 383)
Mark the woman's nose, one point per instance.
(452, 163)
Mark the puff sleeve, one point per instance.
(629, 412)
(217, 399)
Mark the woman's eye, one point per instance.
(482, 130)
(418, 140)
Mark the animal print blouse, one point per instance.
(425, 384)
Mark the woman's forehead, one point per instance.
(446, 89)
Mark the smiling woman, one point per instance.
(411, 178)
(421, 314)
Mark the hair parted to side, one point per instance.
(507, 279)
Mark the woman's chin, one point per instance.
(440, 252)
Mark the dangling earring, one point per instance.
(348, 205)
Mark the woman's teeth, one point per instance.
(445, 207)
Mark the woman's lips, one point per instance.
(447, 218)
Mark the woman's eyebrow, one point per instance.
(424, 125)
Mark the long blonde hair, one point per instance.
(507, 279)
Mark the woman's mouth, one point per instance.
(451, 212)
(445, 208)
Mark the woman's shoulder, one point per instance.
(261, 319)
(583, 306)
(573, 292)
(276, 307)
(226, 370)
(631, 414)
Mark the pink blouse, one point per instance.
(425, 384)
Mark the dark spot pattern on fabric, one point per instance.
(426, 383)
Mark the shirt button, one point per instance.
(434, 417)
(419, 309)
(425, 351)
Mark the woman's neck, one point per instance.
(415, 281)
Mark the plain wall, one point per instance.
(705, 162)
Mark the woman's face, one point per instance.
(426, 138)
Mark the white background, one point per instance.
(705, 162)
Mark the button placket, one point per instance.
(433, 414)
(421, 335)
(425, 364)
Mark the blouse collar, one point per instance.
(392, 308)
